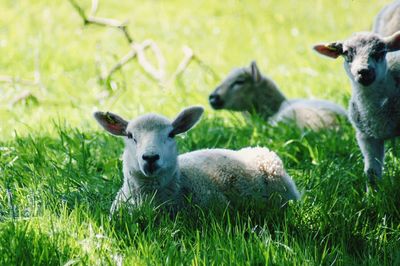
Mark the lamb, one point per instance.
(247, 90)
(387, 22)
(243, 178)
(152, 167)
(373, 68)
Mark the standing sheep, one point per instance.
(374, 110)
(152, 167)
(247, 90)
(387, 21)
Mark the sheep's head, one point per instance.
(237, 91)
(364, 54)
(150, 138)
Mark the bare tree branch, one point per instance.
(158, 73)
(79, 10)
(25, 95)
(17, 80)
(134, 52)
(128, 57)
(104, 22)
(93, 9)
(187, 59)
(205, 67)
(138, 49)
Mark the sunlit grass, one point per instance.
(59, 173)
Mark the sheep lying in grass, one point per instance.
(374, 72)
(243, 178)
(387, 21)
(152, 167)
(246, 89)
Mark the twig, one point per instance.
(26, 94)
(183, 65)
(104, 22)
(17, 80)
(157, 74)
(36, 82)
(205, 67)
(188, 58)
(93, 9)
(79, 10)
(138, 49)
(128, 57)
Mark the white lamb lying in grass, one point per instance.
(208, 178)
(247, 90)
(242, 178)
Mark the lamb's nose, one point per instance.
(151, 158)
(215, 101)
(367, 76)
(366, 71)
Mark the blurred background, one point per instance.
(51, 65)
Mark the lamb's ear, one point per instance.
(255, 72)
(333, 50)
(186, 119)
(113, 123)
(393, 42)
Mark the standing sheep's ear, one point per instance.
(113, 123)
(393, 42)
(255, 72)
(186, 119)
(333, 50)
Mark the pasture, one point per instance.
(59, 171)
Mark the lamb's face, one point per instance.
(149, 139)
(365, 56)
(235, 92)
(150, 142)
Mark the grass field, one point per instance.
(59, 171)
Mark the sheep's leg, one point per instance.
(125, 195)
(373, 151)
(117, 202)
(114, 205)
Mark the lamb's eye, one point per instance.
(379, 55)
(239, 82)
(348, 56)
(129, 135)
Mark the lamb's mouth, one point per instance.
(150, 169)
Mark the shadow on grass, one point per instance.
(334, 222)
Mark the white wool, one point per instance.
(248, 175)
(266, 161)
(208, 178)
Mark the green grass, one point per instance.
(59, 172)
